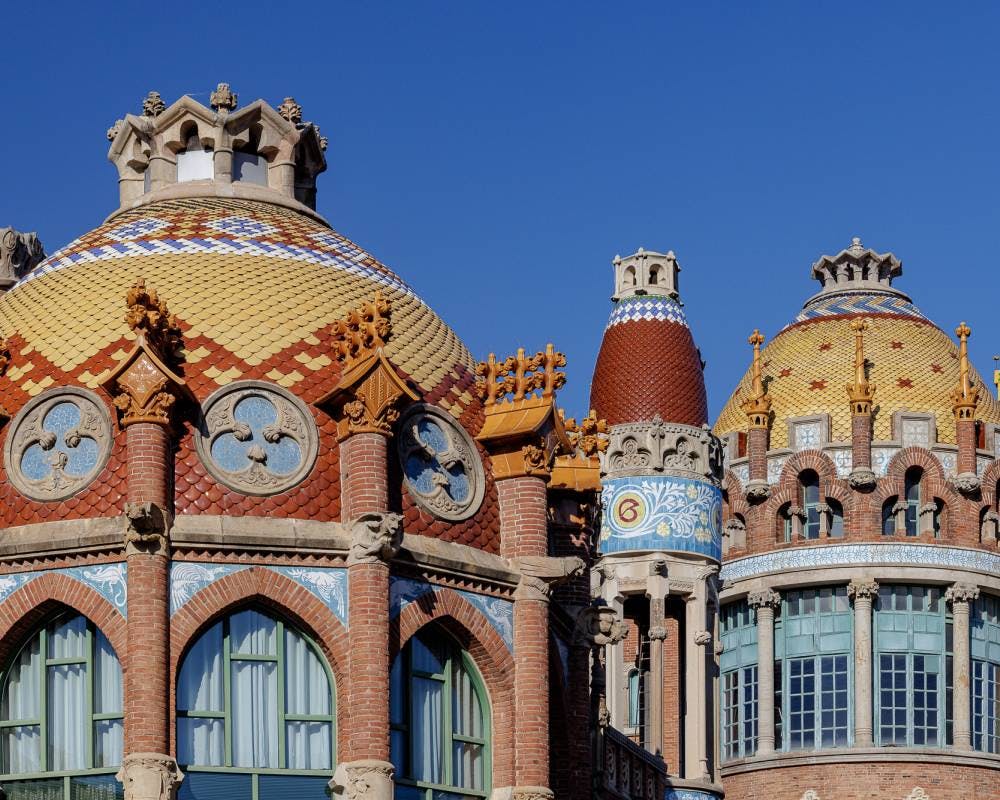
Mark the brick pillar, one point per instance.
(672, 721)
(863, 593)
(523, 535)
(376, 535)
(765, 602)
(965, 434)
(758, 440)
(960, 595)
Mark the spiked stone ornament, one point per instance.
(861, 392)
(758, 406)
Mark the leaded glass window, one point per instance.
(912, 649)
(61, 714)
(440, 721)
(986, 674)
(255, 712)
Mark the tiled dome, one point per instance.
(913, 363)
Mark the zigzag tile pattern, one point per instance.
(861, 303)
(255, 288)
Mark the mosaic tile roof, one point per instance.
(255, 287)
(914, 366)
(648, 365)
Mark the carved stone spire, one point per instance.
(965, 396)
(153, 105)
(223, 99)
(291, 110)
(861, 392)
(758, 406)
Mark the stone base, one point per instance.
(522, 793)
(149, 776)
(367, 779)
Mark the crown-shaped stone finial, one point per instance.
(758, 406)
(965, 396)
(858, 267)
(291, 110)
(153, 105)
(861, 392)
(223, 98)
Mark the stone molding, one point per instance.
(861, 756)
(961, 593)
(149, 776)
(375, 538)
(663, 447)
(862, 589)
(967, 483)
(532, 793)
(365, 779)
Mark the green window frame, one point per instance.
(739, 709)
(405, 673)
(913, 662)
(814, 670)
(65, 783)
(262, 782)
(985, 652)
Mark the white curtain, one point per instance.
(67, 694)
(108, 734)
(200, 687)
(254, 686)
(426, 729)
(467, 717)
(21, 745)
(307, 691)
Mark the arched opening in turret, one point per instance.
(809, 500)
(836, 519)
(249, 164)
(655, 273)
(889, 517)
(628, 277)
(196, 162)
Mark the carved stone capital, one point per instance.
(532, 793)
(961, 593)
(657, 633)
(663, 447)
(539, 574)
(598, 625)
(862, 478)
(366, 779)
(147, 528)
(734, 525)
(967, 482)
(375, 537)
(703, 638)
(149, 776)
(765, 598)
(757, 491)
(862, 589)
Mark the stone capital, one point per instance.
(375, 538)
(539, 574)
(765, 598)
(961, 593)
(862, 478)
(149, 776)
(366, 779)
(757, 491)
(147, 528)
(862, 589)
(657, 633)
(966, 482)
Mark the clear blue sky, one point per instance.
(498, 155)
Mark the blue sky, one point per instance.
(498, 155)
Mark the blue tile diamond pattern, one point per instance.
(647, 308)
(137, 229)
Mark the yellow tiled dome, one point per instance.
(254, 285)
(914, 366)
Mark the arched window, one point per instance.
(912, 487)
(196, 162)
(255, 712)
(629, 277)
(836, 519)
(61, 713)
(654, 275)
(440, 721)
(809, 498)
(889, 517)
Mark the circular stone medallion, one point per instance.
(58, 443)
(441, 467)
(256, 438)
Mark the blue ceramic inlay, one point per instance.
(500, 612)
(661, 513)
(108, 580)
(65, 447)
(282, 454)
(329, 584)
(429, 467)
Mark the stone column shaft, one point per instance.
(765, 602)
(863, 593)
(657, 633)
(961, 595)
(695, 730)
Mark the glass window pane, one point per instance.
(48, 789)
(397, 692)
(299, 787)
(22, 691)
(254, 713)
(426, 733)
(67, 724)
(467, 765)
(427, 656)
(201, 742)
(253, 633)
(22, 749)
(214, 786)
(108, 742)
(68, 638)
(466, 715)
(308, 745)
(95, 787)
(107, 677)
(200, 685)
(307, 685)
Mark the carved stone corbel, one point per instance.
(540, 574)
(147, 528)
(765, 598)
(968, 483)
(598, 625)
(703, 638)
(757, 491)
(367, 779)
(862, 479)
(657, 633)
(149, 776)
(375, 538)
(961, 593)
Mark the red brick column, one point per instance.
(861, 441)
(523, 532)
(147, 692)
(965, 434)
(375, 538)
(758, 440)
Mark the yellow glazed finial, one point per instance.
(758, 406)
(965, 397)
(861, 392)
